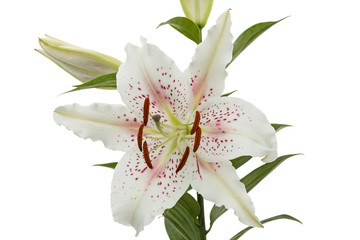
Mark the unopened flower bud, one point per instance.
(83, 64)
(197, 10)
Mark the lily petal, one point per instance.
(139, 194)
(207, 69)
(219, 183)
(112, 124)
(233, 127)
(148, 72)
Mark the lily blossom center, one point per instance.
(167, 132)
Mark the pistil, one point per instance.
(156, 119)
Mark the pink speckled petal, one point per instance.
(219, 183)
(139, 194)
(111, 124)
(232, 128)
(148, 72)
(207, 69)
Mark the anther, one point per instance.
(197, 139)
(196, 123)
(146, 110)
(139, 136)
(146, 155)
(183, 159)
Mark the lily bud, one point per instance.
(83, 64)
(197, 10)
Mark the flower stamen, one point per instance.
(183, 159)
(196, 123)
(139, 136)
(197, 139)
(146, 110)
(146, 155)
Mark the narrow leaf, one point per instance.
(215, 213)
(278, 126)
(107, 81)
(250, 180)
(256, 176)
(180, 220)
(248, 36)
(190, 204)
(228, 94)
(186, 27)
(283, 216)
(108, 165)
(239, 161)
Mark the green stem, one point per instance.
(202, 227)
(200, 200)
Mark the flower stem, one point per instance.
(202, 227)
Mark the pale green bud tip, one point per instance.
(197, 10)
(83, 64)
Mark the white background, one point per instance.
(304, 71)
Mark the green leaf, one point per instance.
(248, 36)
(278, 126)
(257, 175)
(215, 213)
(239, 161)
(108, 165)
(186, 27)
(250, 180)
(228, 94)
(180, 221)
(283, 216)
(107, 81)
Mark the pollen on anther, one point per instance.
(196, 123)
(183, 159)
(140, 135)
(146, 111)
(197, 139)
(146, 155)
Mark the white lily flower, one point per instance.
(197, 10)
(83, 64)
(189, 137)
